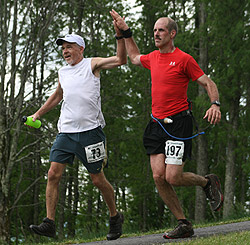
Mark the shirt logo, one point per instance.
(172, 63)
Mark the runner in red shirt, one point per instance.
(171, 69)
(170, 73)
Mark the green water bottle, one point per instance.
(29, 121)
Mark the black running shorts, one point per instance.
(155, 138)
(88, 146)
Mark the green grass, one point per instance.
(242, 238)
(236, 238)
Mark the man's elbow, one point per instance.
(135, 60)
(123, 61)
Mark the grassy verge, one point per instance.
(231, 238)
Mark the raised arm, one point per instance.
(99, 63)
(51, 102)
(131, 47)
(213, 114)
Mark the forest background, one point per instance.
(215, 33)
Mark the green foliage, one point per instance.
(126, 103)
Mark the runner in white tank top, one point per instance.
(80, 123)
(81, 108)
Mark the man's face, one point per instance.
(162, 36)
(72, 53)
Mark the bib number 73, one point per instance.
(95, 152)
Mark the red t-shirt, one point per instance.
(170, 75)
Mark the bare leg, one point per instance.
(176, 177)
(166, 190)
(100, 181)
(167, 176)
(54, 176)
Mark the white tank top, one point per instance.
(81, 107)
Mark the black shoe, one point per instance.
(46, 228)
(213, 192)
(115, 226)
(182, 230)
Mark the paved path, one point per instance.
(155, 239)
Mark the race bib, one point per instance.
(174, 151)
(95, 152)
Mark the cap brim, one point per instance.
(60, 41)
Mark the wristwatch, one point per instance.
(216, 102)
(118, 38)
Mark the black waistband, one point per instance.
(182, 114)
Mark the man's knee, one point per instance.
(173, 180)
(98, 180)
(159, 179)
(54, 176)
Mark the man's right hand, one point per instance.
(120, 22)
(35, 117)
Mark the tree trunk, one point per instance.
(70, 200)
(62, 205)
(229, 188)
(76, 193)
(202, 155)
(89, 206)
(37, 173)
(145, 202)
(4, 185)
(12, 92)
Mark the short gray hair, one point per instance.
(172, 25)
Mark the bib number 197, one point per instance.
(174, 151)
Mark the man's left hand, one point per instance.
(213, 114)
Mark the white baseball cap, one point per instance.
(71, 38)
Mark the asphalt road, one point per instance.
(155, 239)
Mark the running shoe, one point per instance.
(46, 228)
(213, 192)
(182, 230)
(115, 227)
